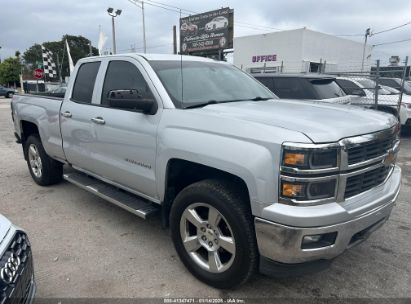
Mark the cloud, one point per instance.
(25, 22)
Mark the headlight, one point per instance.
(310, 158)
(301, 167)
(308, 190)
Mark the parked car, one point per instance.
(245, 181)
(7, 92)
(363, 92)
(303, 87)
(189, 27)
(17, 283)
(217, 23)
(396, 84)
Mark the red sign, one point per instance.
(38, 73)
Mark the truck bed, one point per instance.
(44, 112)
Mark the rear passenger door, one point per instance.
(77, 130)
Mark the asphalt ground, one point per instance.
(84, 247)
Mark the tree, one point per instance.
(10, 70)
(79, 48)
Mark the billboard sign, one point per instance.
(209, 31)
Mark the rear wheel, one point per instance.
(213, 233)
(9, 95)
(43, 169)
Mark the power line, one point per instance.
(187, 12)
(391, 29)
(392, 42)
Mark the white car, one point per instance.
(362, 93)
(217, 23)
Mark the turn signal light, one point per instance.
(293, 159)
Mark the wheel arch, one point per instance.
(181, 173)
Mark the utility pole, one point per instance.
(174, 40)
(90, 49)
(144, 28)
(113, 14)
(135, 2)
(367, 33)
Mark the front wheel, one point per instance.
(213, 233)
(9, 95)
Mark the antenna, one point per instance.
(181, 70)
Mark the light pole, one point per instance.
(113, 14)
(367, 33)
(135, 2)
(0, 56)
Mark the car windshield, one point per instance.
(194, 83)
(370, 84)
(327, 88)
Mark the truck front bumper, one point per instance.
(288, 244)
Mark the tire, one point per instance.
(44, 170)
(9, 95)
(232, 205)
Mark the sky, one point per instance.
(25, 22)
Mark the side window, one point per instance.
(350, 88)
(84, 84)
(123, 75)
(267, 81)
(291, 88)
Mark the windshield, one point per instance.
(370, 85)
(327, 88)
(199, 83)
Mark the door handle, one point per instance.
(66, 114)
(98, 120)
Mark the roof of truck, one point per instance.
(149, 57)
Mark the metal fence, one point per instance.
(381, 87)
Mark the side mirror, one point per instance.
(132, 99)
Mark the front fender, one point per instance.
(244, 159)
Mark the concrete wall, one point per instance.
(286, 45)
(296, 49)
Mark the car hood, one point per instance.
(5, 225)
(321, 122)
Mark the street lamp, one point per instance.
(135, 2)
(113, 14)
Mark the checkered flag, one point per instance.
(48, 63)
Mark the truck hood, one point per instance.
(319, 121)
(5, 225)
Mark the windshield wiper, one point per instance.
(259, 98)
(200, 105)
(210, 102)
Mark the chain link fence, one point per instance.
(381, 86)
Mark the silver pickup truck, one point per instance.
(245, 181)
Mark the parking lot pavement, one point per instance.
(86, 247)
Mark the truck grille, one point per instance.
(365, 181)
(18, 290)
(369, 150)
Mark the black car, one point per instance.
(301, 86)
(7, 92)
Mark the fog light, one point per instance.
(318, 240)
(293, 190)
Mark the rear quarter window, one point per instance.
(84, 83)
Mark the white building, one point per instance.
(299, 50)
